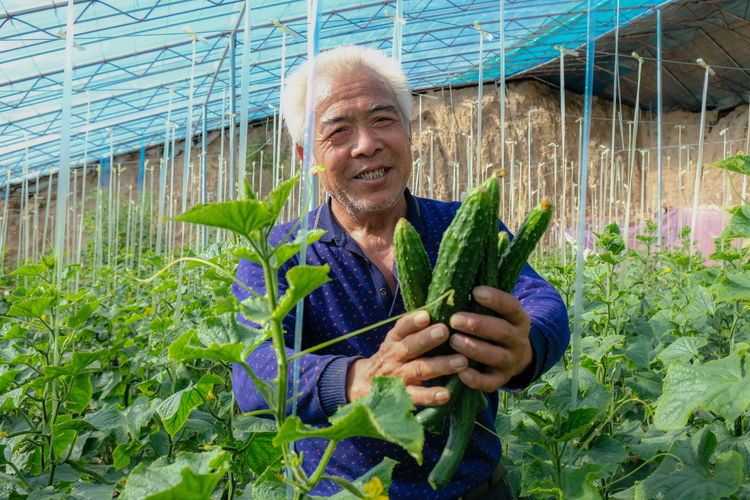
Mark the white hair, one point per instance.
(343, 60)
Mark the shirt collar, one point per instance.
(335, 233)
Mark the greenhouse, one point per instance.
(399, 249)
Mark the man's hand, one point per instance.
(401, 355)
(502, 344)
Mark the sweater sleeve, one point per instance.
(319, 391)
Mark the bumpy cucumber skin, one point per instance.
(517, 253)
(434, 418)
(512, 257)
(486, 274)
(412, 264)
(461, 427)
(458, 260)
(502, 243)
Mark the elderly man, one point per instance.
(362, 137)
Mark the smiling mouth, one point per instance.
(374, 174)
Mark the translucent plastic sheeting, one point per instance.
(131, 52)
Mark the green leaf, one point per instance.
(269, 487)
(7, 378)
(90, 491)
(65, 433)
(538, 477)
(691, 476)
(577, 423)
(220, 338)
(383, 471)
(646, 385)
(275, 200)
(30, 270)
(637, 351)
(192, 476)
(732, 287)
(579, 483)
(597, 350)
(80, 393)
(174, 410)
(738, 163)
(32, 308)
(161, 325)
(123, 452)
(385, 413)
(77, 321)
(719, 386)
(256, 309)
(700, 305)
(262, 453)
(289, 250)
(683, 349)
(12, 332)
(9, 400)
(127, 421)
(606, 452)
(302, 281)
(79, 362)
(739, 223)
(661, 324)
(240, 216)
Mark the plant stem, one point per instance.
(315, 478)
(344, 484)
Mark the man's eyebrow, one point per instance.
(382, 107)
(325, 122)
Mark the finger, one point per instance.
(505, 304)
(422, 369)
(496, 330)
(484, 352)
(418, 343)
(409, 324)
(490, 381)
(428, 396)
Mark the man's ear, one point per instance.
(301, 154)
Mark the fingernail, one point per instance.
(459, 321)
(458, 340)
(442, 396)
(458, 362)
(481, 293)
(422, 318)
(466, 376)
(437, 333)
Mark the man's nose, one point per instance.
(367, 142)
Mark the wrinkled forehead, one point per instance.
(332, 86)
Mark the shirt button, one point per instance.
(382, 291)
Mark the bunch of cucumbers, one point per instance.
(472, 253)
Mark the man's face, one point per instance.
(363, 142)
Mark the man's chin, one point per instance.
(363, 206)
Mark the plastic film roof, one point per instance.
(131, 53)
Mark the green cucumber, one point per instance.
(412, 265)
(458, 260)
(511, 258)
(433, 418)
(512, 261)
(461, 426)
(502, 243)
(487, 274)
